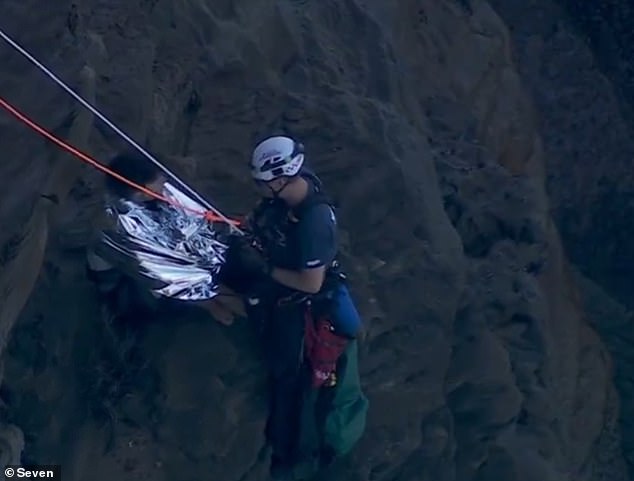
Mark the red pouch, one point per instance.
(322, 349)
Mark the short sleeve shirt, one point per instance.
(316, 237)
(307, 243)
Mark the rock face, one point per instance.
(479, 359)
(584, 122)
(584, 95)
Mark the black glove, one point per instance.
(243, 257)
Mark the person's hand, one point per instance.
(225, 306)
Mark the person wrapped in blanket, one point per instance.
(123, 293)
(287, 270)
(126, 295)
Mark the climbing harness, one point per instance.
(212, 214)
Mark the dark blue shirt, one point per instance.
(316, 237)
(305, 243)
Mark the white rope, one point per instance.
(94, 110)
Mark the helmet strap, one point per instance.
(276, 193)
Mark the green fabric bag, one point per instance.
(345, 422)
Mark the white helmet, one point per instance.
(276, 157)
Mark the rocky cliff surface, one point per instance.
(479, 358)
(575, 62)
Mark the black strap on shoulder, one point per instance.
(313, 200)
(334, 272)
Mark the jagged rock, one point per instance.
(584, 93)
(11, 444)
(477, 358)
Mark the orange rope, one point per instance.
(207, 214)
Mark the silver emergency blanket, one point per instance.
(178, 251)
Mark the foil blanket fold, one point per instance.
(179, 253)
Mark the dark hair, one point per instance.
(133, 166)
